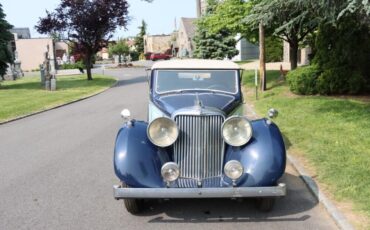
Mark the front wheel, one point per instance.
(265, 204)
(133, 206)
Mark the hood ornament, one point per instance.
(198, 102)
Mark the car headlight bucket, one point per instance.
(233, 169)
(237, 131)
(170, 171)
(162, 132)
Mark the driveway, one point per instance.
(56, 172)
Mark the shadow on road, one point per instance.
(131, 81)
(293, 207)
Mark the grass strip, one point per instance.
(25, 96)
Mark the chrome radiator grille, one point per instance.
(199, 148)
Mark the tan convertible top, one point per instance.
(195, 64)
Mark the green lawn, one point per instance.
(25, 96)
(245, 61)
(332, 133)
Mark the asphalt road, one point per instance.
(56, 172)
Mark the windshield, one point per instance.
(211, 80)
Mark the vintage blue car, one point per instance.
(197, 143)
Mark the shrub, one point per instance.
(342, 53)
(76, 65)
(134, 55)
(340, 81)
(303, 80)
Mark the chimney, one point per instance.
(199, 12)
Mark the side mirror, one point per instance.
(272, 113)
(125, 114)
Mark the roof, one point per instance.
(189, 26)
(195, 64)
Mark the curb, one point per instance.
(340, 220)
(336, 215)
(58, 106)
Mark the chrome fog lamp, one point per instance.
(233, 169)
(162, 132)
(170, 171)
(237, 131)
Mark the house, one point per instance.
(103, 54)
(185, 36)
(30, 52)
(303, 54)
(246, 50)
(21, 33)
(157, 43)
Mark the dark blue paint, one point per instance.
(137, 161)
(172, 102)
(263, 158)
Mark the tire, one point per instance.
(133, 206)
(265, 204)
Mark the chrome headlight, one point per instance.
(162, 132)
(170, 171)
(237, 131)
(233, 169)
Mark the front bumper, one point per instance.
(235, 192)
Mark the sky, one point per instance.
(160, 15)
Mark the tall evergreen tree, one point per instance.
(5, 38)
(213, 45)
(139, 39)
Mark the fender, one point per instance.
(263, 158)
(138, 162)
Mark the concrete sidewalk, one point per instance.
(269, 66)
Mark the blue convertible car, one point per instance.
(197, 143)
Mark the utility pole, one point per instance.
(262, 57)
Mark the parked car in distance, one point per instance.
(197, 143)
(147, 55)
(159, 56)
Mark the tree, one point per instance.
(230, 14)
(5, 37)
(213, 45)
(291, 20)
(90, 23)
(120, 48)
(139, 39)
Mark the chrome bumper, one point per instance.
(236, 192)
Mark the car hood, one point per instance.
(171, 103)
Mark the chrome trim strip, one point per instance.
(198, 111)
(229, 192)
